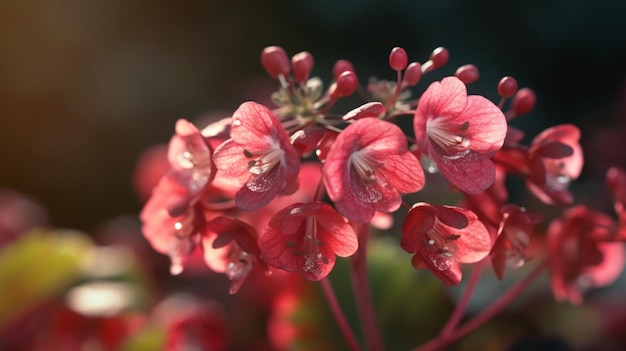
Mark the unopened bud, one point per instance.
(340, 67)
(302, 64)
(412, 74)
(467, 74)
(524, 101)
(275, 61)
(345, 85)
(398, 59)
(439, 57)
(507, 87)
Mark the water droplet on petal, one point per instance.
(176, 266)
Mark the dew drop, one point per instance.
(236, 122)
(563, 179)
(176, 266)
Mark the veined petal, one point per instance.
(472, 173)
(305, 238)
(368, 168)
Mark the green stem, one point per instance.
(340, 317)
(362, 292)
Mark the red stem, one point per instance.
(396, 92)
(488, 313)
(461, 306)
(362, 292)
(335, 308)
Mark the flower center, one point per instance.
(441, 244)
(556, 179)
(264, 160)
(310, 248)
(194, 157)
(364, 166)
(450, 139)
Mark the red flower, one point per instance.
(616, 180)
(305, 238)
(230, 247)
(582, 256)
(514, 233)
(190, 156)
(555, 159)
(441, 237)
(460, 133)
(190, 325)
(368, 168)
(258, 156)
(170, 222)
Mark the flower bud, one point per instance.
(467, 74)
(398, 59)
(439, 57)
(345, 85)
(412, 74)
(524, 101)
(302, 64)
(340, 67)
(275, 61)
(507, 87)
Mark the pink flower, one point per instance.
(441, 237)
(368, 168)
(555, 159)
(460, 133)
(616, 181)
(305, 238)
(190, 156)
(258, 156)
(582, 257)
(171, 223)
(511, 246)
(230, 247)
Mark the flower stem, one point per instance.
(488, 313)
(461, 306)
(333, 303)
(362, 292)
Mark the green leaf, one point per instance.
(40, 264)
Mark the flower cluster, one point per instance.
(293, 186)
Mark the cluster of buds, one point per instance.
(292, 187)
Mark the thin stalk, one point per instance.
(340, 317)
(491, 311)
(362, 292)
(461, 306)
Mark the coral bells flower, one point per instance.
(616, 181)
(441, 237)
(582, 255)
(230, 247)
(459, 133)
(170, 223)
(190, 156)
(556, 158)
(259, 156)
(369, 167)
(305, 238)
(514, 233)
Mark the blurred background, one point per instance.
(87, 86)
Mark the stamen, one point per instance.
(266, 162)
(451, 139)
(364, 166)
(441, 242)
